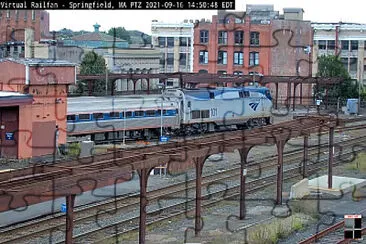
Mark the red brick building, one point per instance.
(13, 24)
(259, 40)
(32, 123)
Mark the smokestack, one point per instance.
(28, 44)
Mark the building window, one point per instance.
(161, 41)
(353, 64)
(8, 14)
(222, 37)
(239, 36)
(254, 38)
(202, 71)
(253, 58)
(238, 21)
(182, 58)
(238, 58)
(203, 57)
(354, 45)
(170, 41)
(322, 45)
(25, 15)
(162, 59)
(170, 59)
(238, 73)
(16, 15)
(204, 36)
(33, 15)
(183, 41)
(221, 72)
(345, 45)
(331, 45)
(222, 57)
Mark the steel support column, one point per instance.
(301, 93)
(294, 97)
(90, 87)
(113, 87)
(134, 86)
(306, 155)
(276, 104)
(199, 165)
(280, 147)
(144, 175)
(70, 200)
(243, 160)
(326, 98)
(330, 161)
(288, 102)
(148, 86)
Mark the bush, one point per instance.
(74, 149)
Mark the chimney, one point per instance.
(29, 43)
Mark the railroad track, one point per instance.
(111, 231)
(86, 215)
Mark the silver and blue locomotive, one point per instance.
(176, 112)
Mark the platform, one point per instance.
(340, 184)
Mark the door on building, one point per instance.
(9, 132)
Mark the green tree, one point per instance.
(92, 64)
(332, 66)
(120, 32)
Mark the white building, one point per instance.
(175, 42)
(345, 39)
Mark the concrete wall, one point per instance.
(300, 189)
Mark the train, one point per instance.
(175, 112)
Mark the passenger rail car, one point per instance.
(185, 112)
(107, 119)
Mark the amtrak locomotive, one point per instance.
(176, 111)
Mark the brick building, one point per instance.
(259, 40)
(32, 123)
(12, 26)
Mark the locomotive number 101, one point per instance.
(213, 112)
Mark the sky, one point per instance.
(315, 11)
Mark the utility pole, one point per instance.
(106, 80)
(359, 87)
(161, 114)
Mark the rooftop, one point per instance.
(343, 26)
(39, 62)
(97, 36)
